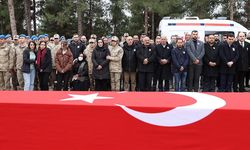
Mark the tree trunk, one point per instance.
(34, 16)
(153, 25)
(146, 20)
(90, 17)
(79, 18)
(231, 9)
(27, 16)
(12, 17)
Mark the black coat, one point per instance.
(27, 61)
(228, 54)
(163, 53)
(46, 65)
(129, 60)
(142, 53)
(76, 48)
(81, 68)
(180, 58)
(242, 63)
(99, 58)
(211, 55)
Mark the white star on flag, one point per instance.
(90, 98)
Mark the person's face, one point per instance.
(56, 40)
(242, 37)
(164, 40)
(64, 45)
(32, 46)
(92, 44)
(179, 43)
(83, 38)
(2, 41)
(75, 38)
(146, 41)
(46, 39)
(216, 36)
(187, 37)
(136, 39)
(113, 43)
(15, 41)
(130, 41)
(105, 40)
(22, 40)
(173, 39)
(100, 43)
(142, 37)
(195, 35)
(224, 38)
(157, 41)
(42, 45)
(230, 40)
(211, 39)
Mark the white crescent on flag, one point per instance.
(183, 115)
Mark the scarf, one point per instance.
(40, 57)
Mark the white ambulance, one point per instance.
(179, 27)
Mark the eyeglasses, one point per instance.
(51, 40)
(32, 44)
(91, 42)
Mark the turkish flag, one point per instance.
(124, 120)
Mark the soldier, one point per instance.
(54, 47)
(115, 65)
(13, 72)
(88, 53)
(6, 63)
(18, 60)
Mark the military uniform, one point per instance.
(6, 63)
(115, 66)
(18, 62)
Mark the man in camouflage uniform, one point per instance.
(13, 72)
(54, 46)
(115, 64)
(88, 53)
(18, 60)
(5, 64)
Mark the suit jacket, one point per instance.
(242, 63)
(195, 53)
(228, 53)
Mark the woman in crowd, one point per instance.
(28, 67)
(64, 62)
(101, 67)
(44, 65)
(80, 80)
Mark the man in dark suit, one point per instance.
(163, 57)
(196, 51)
(146, 56)
(211, 64)
(229, 55)
(242, 63)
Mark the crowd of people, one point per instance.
(136, 63)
